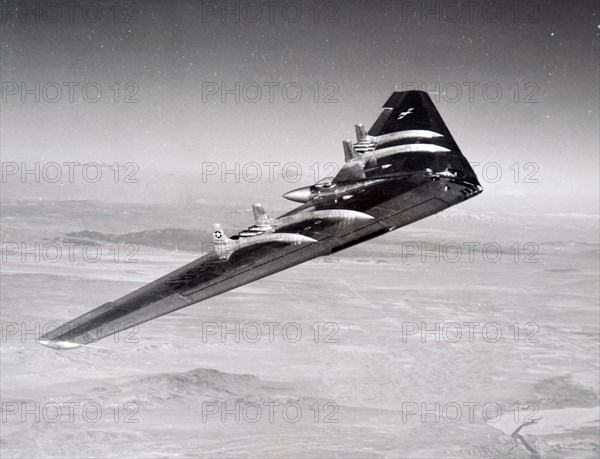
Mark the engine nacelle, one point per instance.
(299, 194)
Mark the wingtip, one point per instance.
(60, 345)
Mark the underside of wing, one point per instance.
(219, 271)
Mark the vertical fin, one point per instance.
(349, 151)
(218, 235)
(260, 216)
(361, 132)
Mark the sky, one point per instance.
(179, 93)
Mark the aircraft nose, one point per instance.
(299, 194)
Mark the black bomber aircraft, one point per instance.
(405, 168)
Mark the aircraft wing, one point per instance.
(210, 275)
(405, 168)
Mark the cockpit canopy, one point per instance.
(325, 183)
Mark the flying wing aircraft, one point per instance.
(405, 168)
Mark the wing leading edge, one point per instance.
(405, 168)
